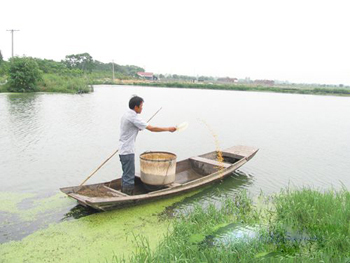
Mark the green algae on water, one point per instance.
(45, 205)
(95, 238)
(9, 201)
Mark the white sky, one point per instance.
(295, 40)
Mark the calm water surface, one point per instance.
(48, 141)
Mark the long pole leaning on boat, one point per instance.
(98, 168)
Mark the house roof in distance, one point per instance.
(145, 74)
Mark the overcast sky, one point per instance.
(295, 40)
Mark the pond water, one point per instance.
(48, 141)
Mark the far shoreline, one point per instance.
(327, 91)
(323, 91)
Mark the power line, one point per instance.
(12, 30)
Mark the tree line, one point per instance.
(27, 74)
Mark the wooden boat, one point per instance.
(191, 173)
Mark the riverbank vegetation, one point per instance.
(294, 226)
(78, 72)
(75, 74)
(245, 87)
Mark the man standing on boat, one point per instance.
(130, 125)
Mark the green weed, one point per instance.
(301, 226)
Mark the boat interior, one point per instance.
(186, 171)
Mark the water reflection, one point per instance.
(79, 211)
(232, 234)
(21, 103)
(212, 194)
(23, 111)
(23, 125)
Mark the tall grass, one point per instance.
(302, 226)
(64, 84)
(325, 217)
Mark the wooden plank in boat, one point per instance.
(114, 192)
(240, 151)
(174, 184)
(79, 198)
(211, 162)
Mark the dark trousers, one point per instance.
(128, 166)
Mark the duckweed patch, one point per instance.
(45, 206)
(23, 214)
(29, 206)
(9, 201)
(95, 238)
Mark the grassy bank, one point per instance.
(65, 84)
(60, 84)
(239, 87)
(294, 226)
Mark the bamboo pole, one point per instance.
(98, 168)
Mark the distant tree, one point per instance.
(131, 70)
(100, 66)
(51, 66)
(2, 65)
(205, 78)
(82, 61)
(24, 73)
(120, 71)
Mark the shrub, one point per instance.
(24, 73)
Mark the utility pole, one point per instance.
(12, 30)
(113, 69)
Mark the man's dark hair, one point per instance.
(135, 101)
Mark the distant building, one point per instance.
(264, 82)
(227, 80)
(146, 75)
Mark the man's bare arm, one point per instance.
(160, 129)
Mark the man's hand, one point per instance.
(172, 129)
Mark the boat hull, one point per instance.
(191, 173)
